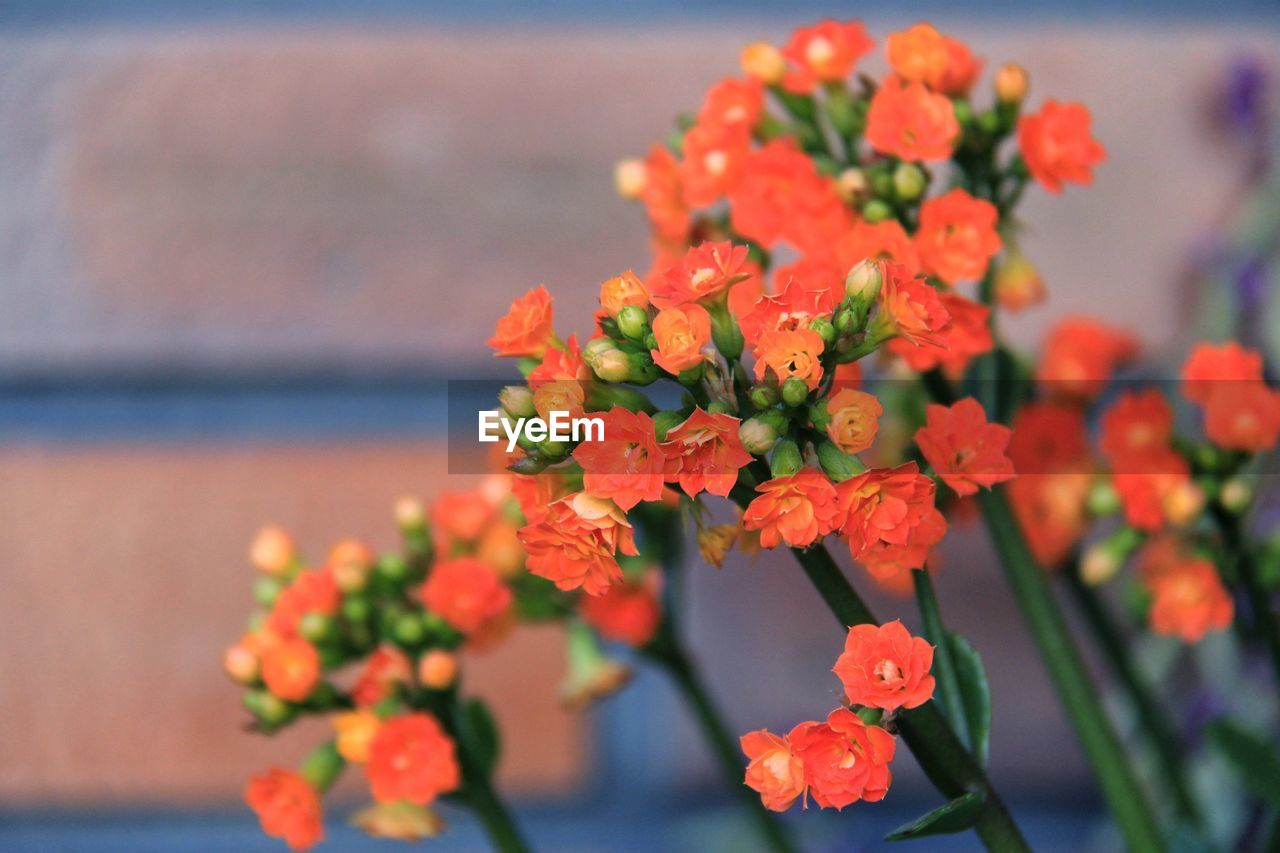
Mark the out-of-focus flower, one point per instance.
(438, 669)
(576, 544)
(466, 593)
(385, 668)
(824, 52)
(763, 62)
(908, 121)
(1018, 283)
(1057, 146)
(525, 331)
(715, 541)
(1080, 355)
(312, 591)
(272, 551)
(291, 669)
(965, 450)
(355, 732)
(627, 612)
(922, 54)
(884, 667)
(399, 821)
(1243, 416)
(287, 806)
(412, 759)
(957, 236)
(780, 196)
(1188, 600)
(773, 770)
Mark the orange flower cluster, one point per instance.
(845, 758)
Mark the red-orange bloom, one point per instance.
(627, 466)
(681, 332)
(798, 509)
(1051, 455)
(705, 453)
(790, 354)
(618, 292)
(466, 593)
(876, 241)
(968, 337)
(312, 591)
(576, 544)
(855, 418)
(1188, 600)
(908, 121)
(1057, 146)
(1243, 416)
(384, 669)
(965, 450)
(733, 101)
(957, 236)
(663, 196)
(561, 364)
(536, 492)
(961, 71)
(1136, 425)
(920, 53)
(889, 518)
(1146, 487)
(291, 669)
(915, 309)
(824, 52)
(627, 612)
(705, 273)
(774, 771)
(781, 196)
(798, 304)
(1080, 355)
(1211, 365)
(713, 156)
(287, 807)
(461, 516)
(412, 758)
(525, 330)
(883, 666)
(845, 760)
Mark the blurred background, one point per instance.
(243, 246)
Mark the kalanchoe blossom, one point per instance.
(908, 121)
(888, 517)
(884, 667)
(705, 274)
(704, 453)
(845, 760)
(412, 759)
(797, 509)
(957, 236)
(627, 612)
(288, 807)
(681, 332)
(526, 330)
(965, 450)
(967, 337)
(577, 543)
(824, 52)
(627, 466)
(774, 771)
(912, 309)
(1057, 146)
(466, 593)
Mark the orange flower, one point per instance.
(624, 290)
(889, 518)
(917, 54)
(627, 612)
(355, 732)
(713, 156)
(1051, 455)
(781, 196)
(272, 551)
(1018, 283)
(883, 666)
(968, 336)
(1136, 425)
(908, 121)
(1189, 600)
(291, 669)
(287, 806)
(773, 770)
(466, 593)
(627, 467)
(312, 591)
(663, 196)
(790, 353)
(1057, 146)
(1243, 416)
(876, 241)
(461, 516)
(965, 450)
(385, 668)
(961, 71)
(705, 273)
(536, 492)
(705, 453)
(855, 417)
(1148, 486)
(957, 236)
(845, 760)
(798, 509)
(681, 332)
(411, 758)
(824, 52)
(526, 330)
(575, 545)
(1080, 355)
(733, 102)
(1211, 365)
(795, 307)
(559, 365)
(913, 307)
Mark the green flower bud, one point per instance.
(265, 591)
(757, 436)
(909, 181)
(876, 211)
(719, 407)
(356, 609)
(317, 627)
(392, 568)
(409, 630)
(1103, 559)
(963, 112)
(633, 322)
(862, 284)
(824, 328)
(692, 376)
(725, 333)
(606, 360)
(322, 766)
(764, 396)
(819, 416)
(837, 464)
(270, 709)
(664, 422)
(553, 450)
(794, 392)
(786, 459)
(517, 401)
(1102, 499)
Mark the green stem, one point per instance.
(944, 662)
(728, 755)
(1102, 747)
(936, 747)
(1238, 550)
(1164, 737)
(493, 813)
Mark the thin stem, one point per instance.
(944, 661)
(940, 753)
(1164, 737)
(728, 756)
(493, 813)
(1066, 668)
(1238, 550)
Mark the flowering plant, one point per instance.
(807, 224)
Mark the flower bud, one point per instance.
(241, 664)
(356, 609)
(392, 568)
(909, 181)
(1102, 499)
(664, 422)
(786, 459)
(531, 464)
(715, 541)
(350, 562)
(272, 551)
(265, 591)
(409, 513)
(725, 333)
(1236, 495)
(1103, 559)
(824, 328)
(633, 322)
(400, 820)
(606, 360)
(1018, 283)
(1184, 503)
(757, 436)
(630, 177)
(764, 62)
(720, 407)
(794, 392)
(317, 628)
(837, 464)
(517, 401)
(819, 416)
(355, 732)
(553, 450)
(268, 708)
(322, 766)
(852, 185)
(876, 211)
(409, 630)
(764, 396)
(963, 111)
(592, 676)
(438, 669)
(1011, 83)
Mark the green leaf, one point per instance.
(956, 816)
(478, 734)
(975, 693)
(1253, 758)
